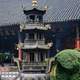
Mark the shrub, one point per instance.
(68, 65)
(69, 59)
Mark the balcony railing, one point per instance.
(34, 67)
(34, 42)
(30, 44)
(35, 64)
(35, 25)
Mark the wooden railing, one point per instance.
(23, 76)
(36, 67)
(34, 42)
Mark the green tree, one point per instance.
(68, 62)
(2, 58)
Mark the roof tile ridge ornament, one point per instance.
(45, 7)
(34, 3)
(22, 26)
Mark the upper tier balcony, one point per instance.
(34, 26)
(31, 44)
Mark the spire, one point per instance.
(34, 3)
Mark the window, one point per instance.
(31, 36)
(31, 57)
(40, 36)
(32, 18)
(26, 36)
(41, 56)
(40, 18)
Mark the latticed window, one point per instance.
(40, 36)
(32, 18)
(31, 36)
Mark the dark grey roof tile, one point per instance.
(58, 10)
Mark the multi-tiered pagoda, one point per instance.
(34, 44)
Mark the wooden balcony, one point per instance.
(34, 67)
(34, 26)
(34, 42)
(31, 44)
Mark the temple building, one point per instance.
(32, 31)
(34, 43)
(19, 34)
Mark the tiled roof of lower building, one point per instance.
(58, 10)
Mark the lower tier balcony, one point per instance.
(34, 67)
(32, 44)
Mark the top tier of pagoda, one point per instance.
(34, 14)
(34, 18)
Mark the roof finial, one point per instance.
(46, 7)
(34, 3)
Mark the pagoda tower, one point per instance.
(34, 43)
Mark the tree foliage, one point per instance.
(2, 57)
(68, 65)
(69, 59)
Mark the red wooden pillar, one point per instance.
(77, 41)
(20, 54)
(19, 47)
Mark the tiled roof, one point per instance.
(58, 10)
